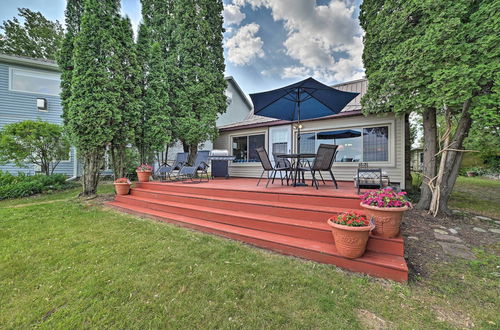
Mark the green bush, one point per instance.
(22, 185)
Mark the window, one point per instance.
(375, 144)
(244, 147)
(355, 145)
(34, 82)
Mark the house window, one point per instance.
(34, 82)
(355, 145)
(244, 147)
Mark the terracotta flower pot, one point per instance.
(143, 176)
(122, 188)
(350, 241)
(387, 219)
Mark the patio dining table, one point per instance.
(296, 164)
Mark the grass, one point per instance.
(477, 195)
(67, 264)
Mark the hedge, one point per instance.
(22, 185)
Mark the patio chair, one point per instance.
(267, 166)
(165, 171)
(284, 165)
(323, 162)
(199, 167)
(370, 178)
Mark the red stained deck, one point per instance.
(289, 220)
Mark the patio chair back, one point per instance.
(264, 158)
(201, 160)
(324, 157)
(280, 162)
(180, 160)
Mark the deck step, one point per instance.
(319, 198)
(372, 263)
(299, 228)
(283, 209)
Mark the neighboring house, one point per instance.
(417, 159)
(238, 108)
(377, 140)
(23, 82)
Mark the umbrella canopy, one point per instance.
(306, 99)
(339, 134)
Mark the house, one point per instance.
(377, 140)
(26, 84)
(417, 159)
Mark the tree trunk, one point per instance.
(118, 158)
(430, 151)
(193, 149)
(408, 180)
(450, 165)
(91, 166)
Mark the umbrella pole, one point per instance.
(298, 122)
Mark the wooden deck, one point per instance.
(289, 220)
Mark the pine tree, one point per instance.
(94, 98)
(126, 78)
(73, 13)
(200, 82)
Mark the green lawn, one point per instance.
(68, 264)
(477, 195)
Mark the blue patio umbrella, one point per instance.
(306, 99)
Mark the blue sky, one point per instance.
(268, 43)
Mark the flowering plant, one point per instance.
(386, 197)
(144, 168)
(122, 180)
(352, 219)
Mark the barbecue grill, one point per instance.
(220, 163)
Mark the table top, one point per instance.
(301, 155)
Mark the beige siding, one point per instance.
(343, 171)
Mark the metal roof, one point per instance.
(359, 86)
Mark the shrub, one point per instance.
(22, 185)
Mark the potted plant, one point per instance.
(386, 207)
(122, 186)
(144, 172)
(350, 231)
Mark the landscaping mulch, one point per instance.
(429, 240)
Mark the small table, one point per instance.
(295, 166)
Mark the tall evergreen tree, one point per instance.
(126, 79)
(94, 101)
(73, 13)
(199, 98)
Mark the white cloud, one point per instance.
(244, 45)
(295, 72)
(315, 33)
(232, 15)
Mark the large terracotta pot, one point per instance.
(350, 241)
(143, 176)
(122, 188)
(387, 219)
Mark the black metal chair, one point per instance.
(267, 166)
(199, 167)
(284, 165)
(323, 162)
(165, 171)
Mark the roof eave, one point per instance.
(34, 63)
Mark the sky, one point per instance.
(267, 43)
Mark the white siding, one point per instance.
(342, 171)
